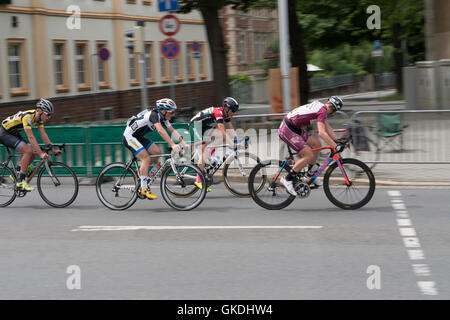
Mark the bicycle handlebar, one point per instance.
(49, 147)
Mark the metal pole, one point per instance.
(94, 85)
(284, 53)
(172, 73)
(144, 100)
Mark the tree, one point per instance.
(210, 13)
(298, 53)
(328, 24)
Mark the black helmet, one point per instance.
(231, 104)
(336, 102)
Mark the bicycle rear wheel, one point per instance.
(7, 186)
(271, 194)
(178, 189)
(117, 186)
(361, 189)
(59, 186)
(236, 171)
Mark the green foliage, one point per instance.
(241, 77)
(355, 59)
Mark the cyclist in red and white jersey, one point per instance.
(214, 117)
(295, 131)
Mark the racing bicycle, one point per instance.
(236, 164)
(57, 183)
(342, 186)
(118, 184)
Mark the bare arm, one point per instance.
(323, 133)
(33, 142)
(330, 131)
(221, 128)
(175, 135)
(164, 134)
(46, 140)
(229, 126)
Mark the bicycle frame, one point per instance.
(224, 159)
(169, 161)
(334, 156)
(38, 167)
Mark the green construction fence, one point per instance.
(90, 147)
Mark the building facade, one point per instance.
(49, 49)
(248, 35)
(437, 28)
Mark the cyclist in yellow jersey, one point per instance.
(25, 120)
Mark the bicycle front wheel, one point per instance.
(117, 186)
(57, 186)
(236, 171)
(265, 186)
(178, 189)
(355, 195)
(7, 186)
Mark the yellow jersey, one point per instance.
(21, 120)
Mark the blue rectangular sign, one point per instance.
(168, 5)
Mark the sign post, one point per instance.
(170, 48)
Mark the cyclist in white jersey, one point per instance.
(295, 131)
(134, 138)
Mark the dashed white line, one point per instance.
(410, 240)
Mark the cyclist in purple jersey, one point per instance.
(294, 130)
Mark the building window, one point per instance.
(149, 63)
(133, 68)
(202, 63)
(107, 113)
(102, 68)
(146, 2)
(190, 63)
(82, 66)
(17, 67)
(177, 68)
(60, 65)
(15, 77)
(164, 69)
(242, 48)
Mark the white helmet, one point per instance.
(166, 104)
(46, 106)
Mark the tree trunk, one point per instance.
(398, 56)
(218, 53)
(298, 54)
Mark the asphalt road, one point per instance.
(332, 254)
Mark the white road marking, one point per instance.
(133, 228)
(428, 287)
(410, 240)
(407, 232)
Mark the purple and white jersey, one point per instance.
(308, 114)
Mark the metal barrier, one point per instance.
(424, 140)
(90, 148)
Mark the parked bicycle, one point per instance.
(341, 187)
(237, 164)
(57, 183)
(118, 184)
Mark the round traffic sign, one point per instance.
(103, 54)
(170, 48)
(169, 25)
(195, 46)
